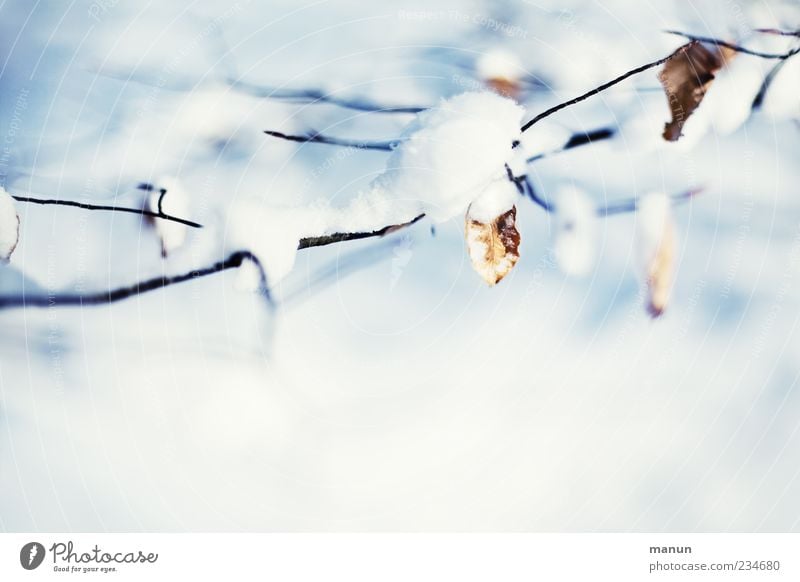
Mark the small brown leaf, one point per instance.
(504, 86)
(686, 77)
(493, 247)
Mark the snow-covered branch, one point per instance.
(463, 157)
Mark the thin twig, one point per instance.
(600, 89)
(577, 140)
(631, 205)
(766, 84)
(321, 241)
(86, 206)
(233, 261)
(735, 47)
(111, 296)
(384, 146)
(778, 31)
(316, 96)
(538, 200)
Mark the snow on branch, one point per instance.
(233, 261)
(384, 146)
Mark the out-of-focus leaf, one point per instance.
(656, 245)
(686, 77)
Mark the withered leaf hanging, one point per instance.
(493, 247)
(686, 77)
(656, 245)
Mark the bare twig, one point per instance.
(233, 261)
(656, 63)
(321, 241)
(779, 32)
(767, 83)
(599, 89)
(538, 200)
(86, 206)
(384, 146)
(111, 296)
(735, 47)
(577, 140)
(316, 96)
(611, 209)
(631, 205)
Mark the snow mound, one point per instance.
(450, 154)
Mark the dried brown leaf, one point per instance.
(506, 87)
(493, 247)
(686, 77)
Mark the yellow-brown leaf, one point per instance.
(493, 247)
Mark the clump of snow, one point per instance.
(782, 99)
(449, 157)
(575, 231)
(499, 63)
(272, 234)
(450, 154)
(729, 100)
(497, 199)
(174, 203)
(9, 225)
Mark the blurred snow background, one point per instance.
(391, 390)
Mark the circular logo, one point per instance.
(31, 555)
